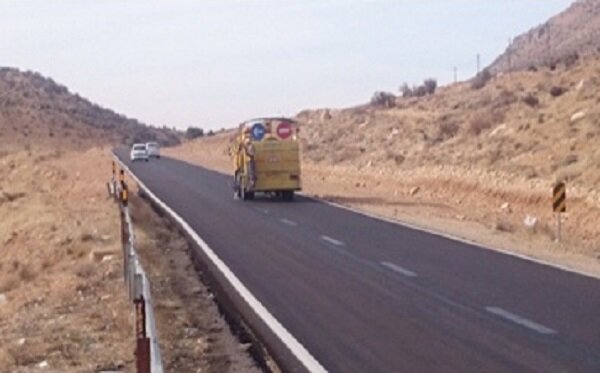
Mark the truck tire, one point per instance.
(288, 195)
(237, 185)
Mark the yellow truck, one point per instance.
(266, 158)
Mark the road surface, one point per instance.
(365, 295)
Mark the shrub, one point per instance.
(427, 88)
(430, 86)
(383, 99)
(193, 132)
(406, 90)
(530, 100)
(481, 79)
(556, 91)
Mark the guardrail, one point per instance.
(147, 352)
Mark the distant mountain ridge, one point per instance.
(35, 110)
(564, 38)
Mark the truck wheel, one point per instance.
(288, 195)
(237, 185)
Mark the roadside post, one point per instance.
(124, 194)
(559, 205)
(114, 178)
(142, 351)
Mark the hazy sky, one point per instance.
(215, 63)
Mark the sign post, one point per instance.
(559, 205)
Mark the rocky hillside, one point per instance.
(531, 125)
(562, 39)
(36, 111)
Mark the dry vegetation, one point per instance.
(60, 273)
(473, 161)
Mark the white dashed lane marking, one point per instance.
(288, 222)
(398, 269)
(520, 320)
(332, 241)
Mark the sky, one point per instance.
(215, 63)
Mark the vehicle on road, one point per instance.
(138, 152)
(153, 150)
(266, 158)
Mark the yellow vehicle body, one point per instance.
(268, 163)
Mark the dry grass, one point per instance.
(71, 313)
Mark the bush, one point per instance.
(430, 86)
(427, 88)
(383, 99)
(406, 90)
(481, 79)
(556, 91)
(530, 100)
(193, 132)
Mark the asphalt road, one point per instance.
(365, 295)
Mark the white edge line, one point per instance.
(299, 351)
(399, 269)
(455, 238)
(520, 320)
(332, 240)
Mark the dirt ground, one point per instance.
(194, 337)
(63, 304)
(488, 208)
(62, 308)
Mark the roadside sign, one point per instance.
(559, 205)
(559, 197)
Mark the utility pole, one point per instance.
(548, 46)
(455, 75)
(478, 64)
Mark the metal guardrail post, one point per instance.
(142, 352)
(148, 355)
(124, 242)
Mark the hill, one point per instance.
(562, 39)
(36, 111)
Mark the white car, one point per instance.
(153, 149)
(138, 152)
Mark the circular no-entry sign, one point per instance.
(284, 130)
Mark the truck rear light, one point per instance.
(294, 177)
